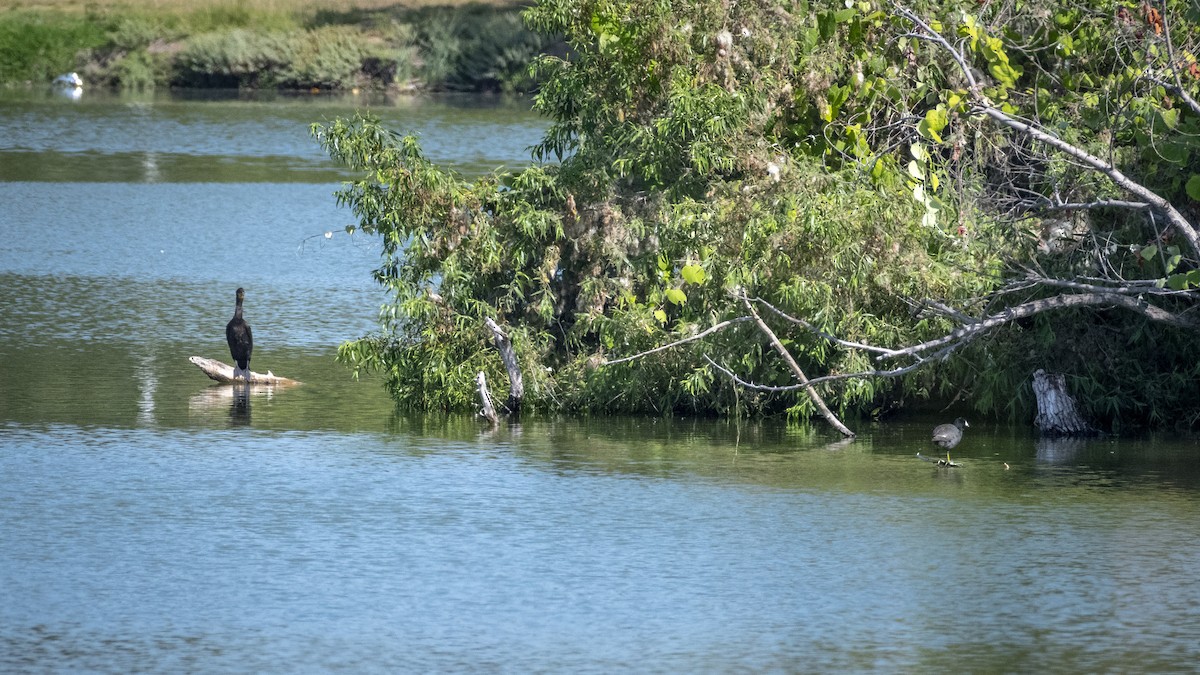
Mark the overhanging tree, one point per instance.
(842, 164)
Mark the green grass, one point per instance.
(36, 47)
(325, 44)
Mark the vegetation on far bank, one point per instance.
(271, 44)
(944, 200)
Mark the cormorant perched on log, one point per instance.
(241, 343)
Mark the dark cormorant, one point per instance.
(241, 343)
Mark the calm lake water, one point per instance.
(150, 520)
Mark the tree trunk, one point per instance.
(516, 384)
(1057, 414)
(222, 372)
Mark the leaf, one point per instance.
(660, 315)
(1149, 252)
(928, 132)
(877, 169)
(936, 120)
(1173, 262)
(676, 296)
(1193, 187)
(1006, 73)
(919, 193)
(693, 274)
(915, 170)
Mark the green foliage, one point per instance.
(811, 155)
(677, 181)
(138, 70)
(38, 47)
(327, 58)
(477, 48)
(472, 47)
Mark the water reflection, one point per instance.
(1059, 450)
(228, 138)
(239, 408)
(147, 378)
(572, 545)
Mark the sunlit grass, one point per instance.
(264, 6)
(267, 43)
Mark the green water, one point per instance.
(152, 520)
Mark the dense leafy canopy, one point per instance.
(819, 156)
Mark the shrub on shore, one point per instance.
(325, 58)
(36, 47)
(474, 47)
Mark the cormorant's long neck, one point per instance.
(237, 311)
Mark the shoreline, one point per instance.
(473, 47)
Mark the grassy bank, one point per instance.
(326, 44)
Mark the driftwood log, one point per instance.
(1057, 413)
(223, 372)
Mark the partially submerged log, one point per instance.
(489, 410)
(1057, 413)
(516, 391)
(945, 463)
(223, 372)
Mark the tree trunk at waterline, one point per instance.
(1057, 413)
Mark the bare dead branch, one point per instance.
(982, 106)
(895, 372)
(1114, 174)
(1177, 90)
(1099, 296)
(795, 368)
(709, 331)
(1175, 87)
(1057, 205)
(1125, 288)
(817, 331)
(516, 391)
